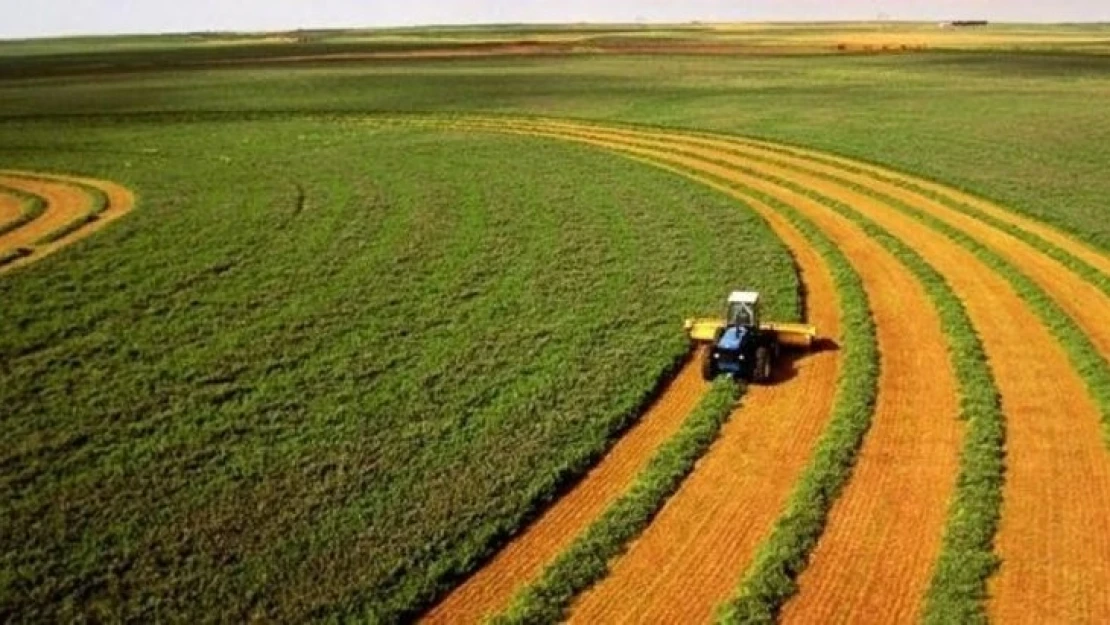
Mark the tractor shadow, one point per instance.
(786, 367)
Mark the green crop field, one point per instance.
(328, 366)
(313, 334)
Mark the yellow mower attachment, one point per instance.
(703, 330)
(799, 335)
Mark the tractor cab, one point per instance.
(743, 309)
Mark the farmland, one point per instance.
(372, 337)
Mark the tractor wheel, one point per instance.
(709, 367)
(762, 371)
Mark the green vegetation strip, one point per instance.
(1074, 264)
(99, 205)
(32, 207)
(587, 559)
(1089, 363)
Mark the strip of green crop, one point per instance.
(67, 229)
(32, 207)
(586, 560)
(1074, 264)
(98, 206)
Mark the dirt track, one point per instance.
(1053, 537)
(66, 200)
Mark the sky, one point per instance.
(40, 18)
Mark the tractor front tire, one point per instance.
(762, 370)
(709, 366)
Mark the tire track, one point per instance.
(66, 201)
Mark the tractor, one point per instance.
(743, 346)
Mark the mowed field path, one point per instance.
(67, 199)
(876, 556)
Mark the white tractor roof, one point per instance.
(743, 297)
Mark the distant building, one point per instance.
(963, 24)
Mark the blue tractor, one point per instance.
(742, 346)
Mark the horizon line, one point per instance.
(479, 25)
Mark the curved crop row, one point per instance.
(1089, 362)
(1032, 397)
(1089, 476)
(835, 453)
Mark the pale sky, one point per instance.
(38, 18)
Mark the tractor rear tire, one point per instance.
(762, 371)
(708, 367)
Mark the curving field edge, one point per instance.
(74, 208)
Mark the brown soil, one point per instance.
(11, 207)
(64, 202)
(491, 587)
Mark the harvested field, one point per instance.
(68, 201)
